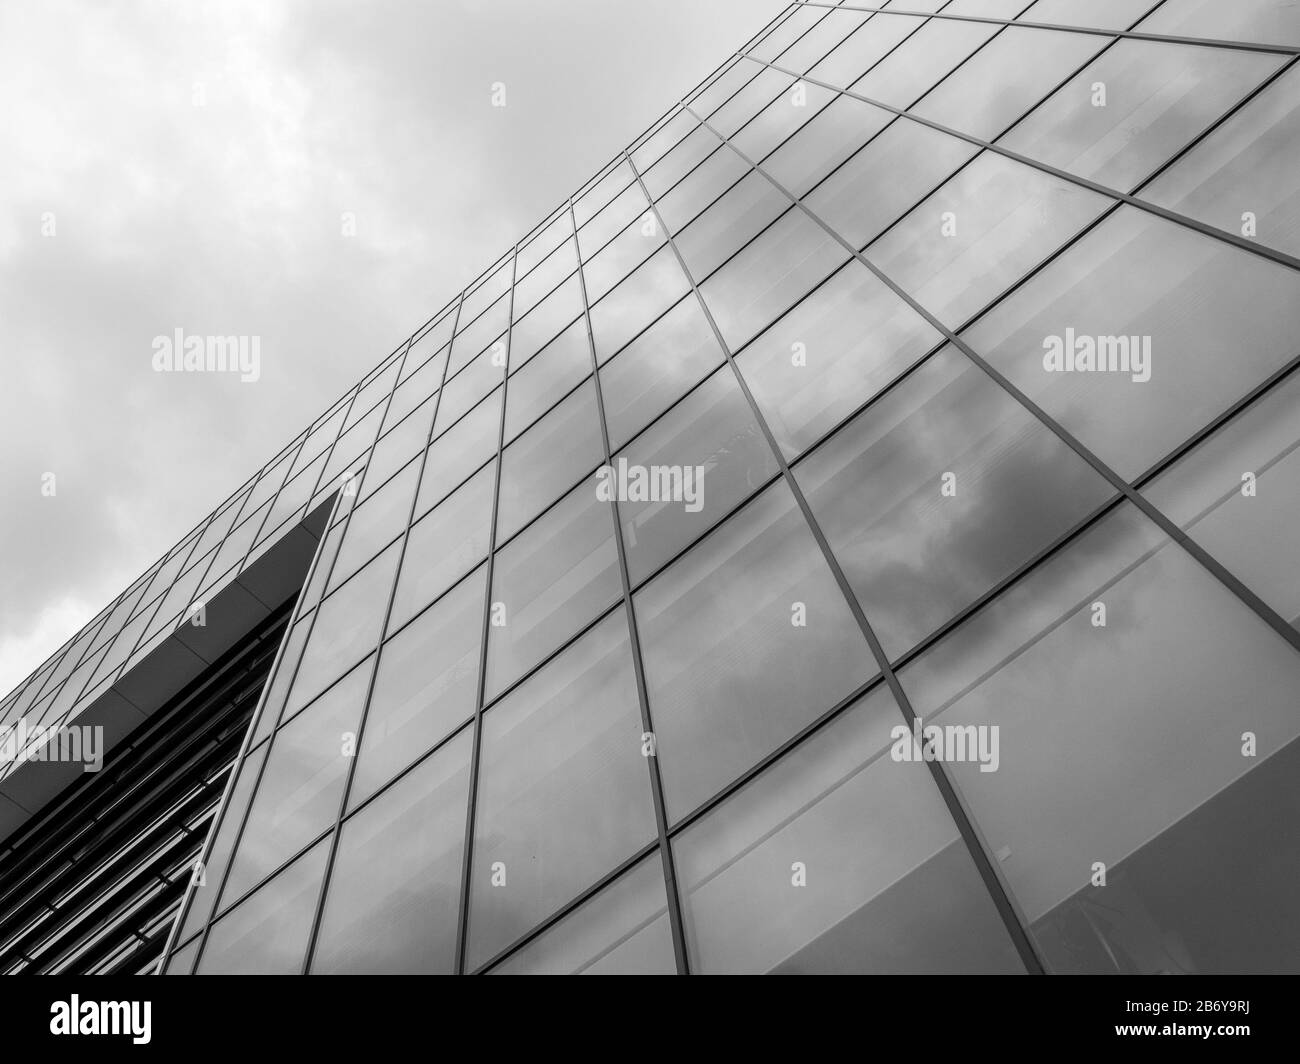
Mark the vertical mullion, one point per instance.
(383, 628)
(467, 850)
(999, 893)
(643, 699)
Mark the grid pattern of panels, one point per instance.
(975, 320)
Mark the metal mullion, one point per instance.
(1221, 235)
(215, 914)
(1265, 613)
(336, 830)
(638, 664)
(1279, 49)
(999, 893)
(467, 848)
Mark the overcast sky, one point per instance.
(186, 165)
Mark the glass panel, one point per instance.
(302, 786)
(376, 523)
(548, 377)
(885, 884)
(477, 334)
(797, 102)
(347, 627)
(864, 49)
(616, 179)
(1124, 741)
(638, 301)
(468, 388)
(1238, 496)
(940, 490)
(546, 321)
(426, 686)
(656, 369)
(721, 230)
(538, 284)
(445, 545)
(766, 85)
(1167, 303)
(267, 934)
(394, 896)
(770, 275)
(549, 237)
(1269, 21)
(549, 582)
(908, 72)
(397, 448)
(1024, 65)
(622, 255)
(692, 151)
(1246, 165)
(836, 349)
(1158, 96)
(623, 930)
(884, 180)
(980, 233)
(662, 140)
(415, 389)
(1103, 14)
(564, 793)
(459, 451)
(722, 169)
(746, 640)
(627, 206)
(831, 28)
(686, 471)
(548, 459)
(824, 143)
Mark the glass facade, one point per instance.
(953, 625)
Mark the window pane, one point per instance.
(836, 349)
(415, 389)
(1271, 21)
(468, 388)
(623, 209)
(426, 686)
(445, 545)
(769, 275)
(564, 793)
(1024, 65)
(889, 887)
(1005, 217)
(267, 934)
(796, 103)
(1238, 496)
(883, 181)
(638, 301)
(394, 896)
(1123, 745)
(825, 142)
(721, 230)
(656, 369)
(861, 50)
(623, 930)
(622, 255)
(731, 674)
(757, 94)
(693, 150)
(1175, 302)
(541, 325)
(549, 459)
(302, 786)
(1158, 97)
(347, 627)
(393, 451)
(722, 169)
(376, 523)
(538, 284)
(1248, 163)
(937, 492)
(1103, 14)
(459, 451)
(909, 71)
(477, 334)
(549, 582)
(543, 381)
(687, 470)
